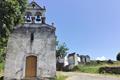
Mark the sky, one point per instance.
(88, 27)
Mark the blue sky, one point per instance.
(87, 26)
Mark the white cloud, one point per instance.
(101, 58)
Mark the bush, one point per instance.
(110, 61)
(60, 66)
(102, 70)
(118, 57)
(76, 68)
(66, 68)
(98, 61)
(111, 70)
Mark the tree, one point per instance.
(61, 50)
(118, 56)
(11, 14)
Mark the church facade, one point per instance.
(31, 49)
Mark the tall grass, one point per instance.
(88, 69)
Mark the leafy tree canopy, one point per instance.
(11, 14)
(61, 50)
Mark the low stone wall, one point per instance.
(111, 70)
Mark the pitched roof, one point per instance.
(36, 5)
(72, 54)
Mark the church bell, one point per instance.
(28, 19)
(38, 19)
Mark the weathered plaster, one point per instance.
(19, 47)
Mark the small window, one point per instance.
(32, 37)
(33, 5)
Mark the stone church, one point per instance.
(31, 48)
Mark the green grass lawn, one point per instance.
(88, 69)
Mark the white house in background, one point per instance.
(87, 58)
(75, 59)
(72, 60)
(84, 58)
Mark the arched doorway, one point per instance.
(31, 67)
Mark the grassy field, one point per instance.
(93, 67)
(60, 77)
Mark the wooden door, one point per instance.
(31, 67)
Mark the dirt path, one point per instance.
(86, 76)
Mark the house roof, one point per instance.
(72, 54)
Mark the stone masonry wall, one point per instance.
(19, 47)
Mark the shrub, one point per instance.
(98, 61)
(102, 70)
(66, 68)
(76, 68)
(110, 61)
(60, 66)
(118, 57)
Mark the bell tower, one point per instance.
(31, 48)
(35, 13)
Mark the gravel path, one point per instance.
(86, 76)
